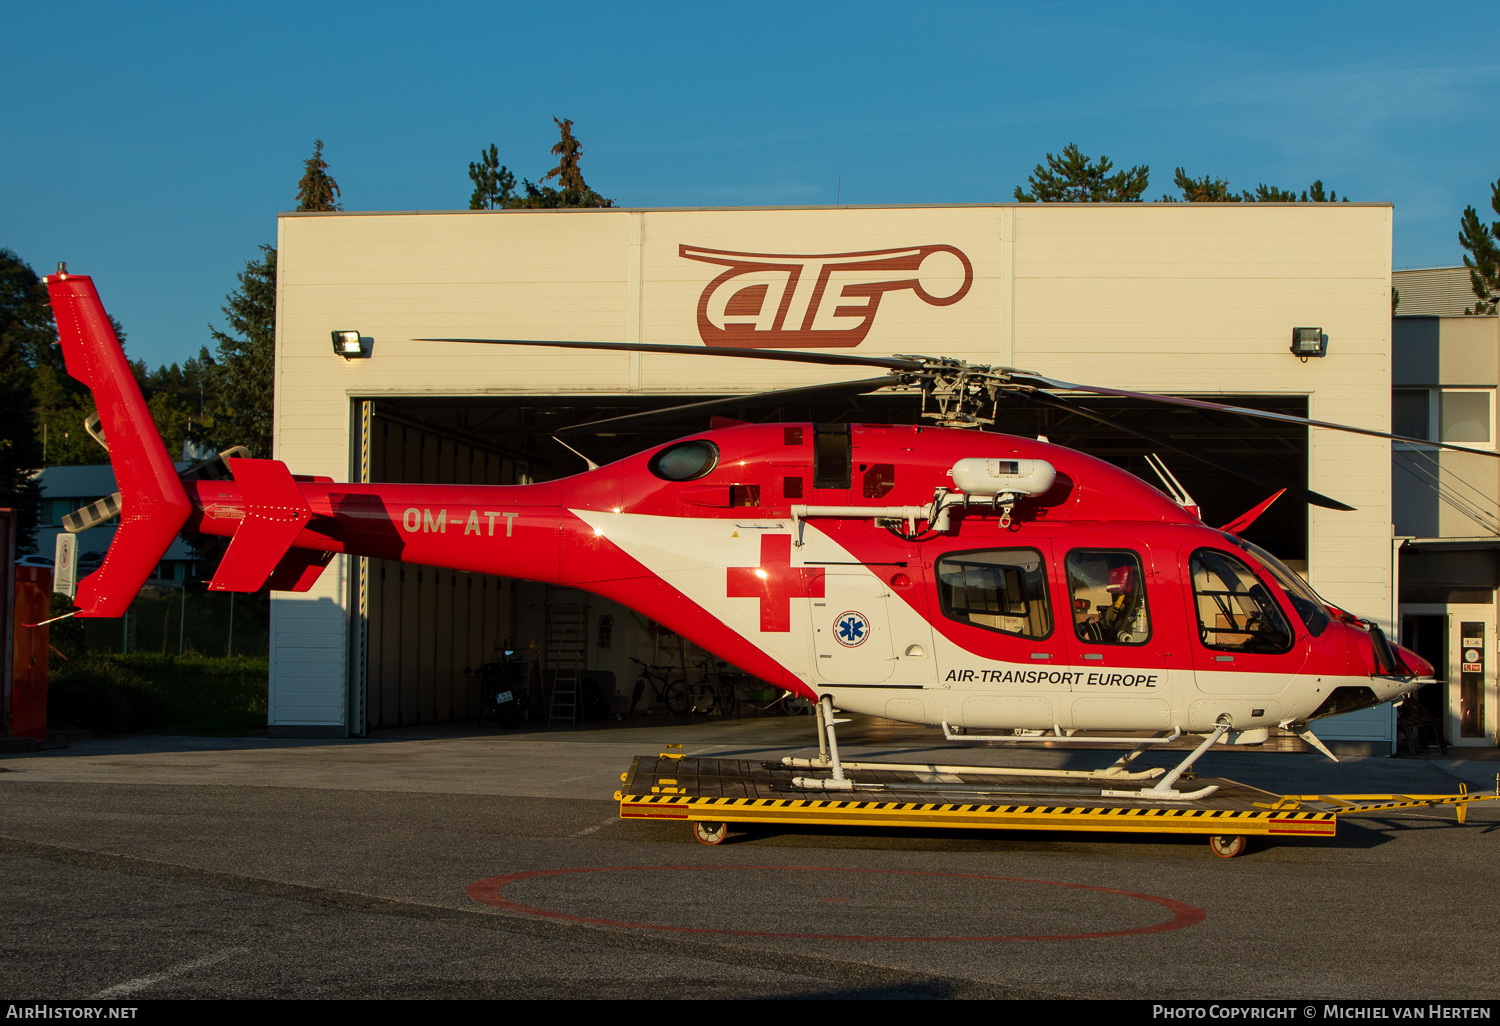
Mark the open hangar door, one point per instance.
(425, 625)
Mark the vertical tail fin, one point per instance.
(153, 504)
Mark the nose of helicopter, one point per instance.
(1394, 671)
(1414, 663)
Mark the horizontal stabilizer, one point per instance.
(275, 513)
(299, 570)
(153, 505)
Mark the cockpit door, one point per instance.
(1248, 650)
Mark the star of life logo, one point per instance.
(822, 301)
(851, 629)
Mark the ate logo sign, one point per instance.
(822, 301)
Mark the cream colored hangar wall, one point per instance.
(1201, 299)
(1162, 297)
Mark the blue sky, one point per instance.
(152, 145)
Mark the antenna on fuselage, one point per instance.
(575, 452)
(1173, 487)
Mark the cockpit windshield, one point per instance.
(1312, 610)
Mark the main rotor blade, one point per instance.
(1027, 377)
(1229, 466)
(734, 402)
(791, 356)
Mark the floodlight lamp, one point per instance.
(1308, 342)
(349, 344)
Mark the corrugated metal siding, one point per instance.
(1434, 291)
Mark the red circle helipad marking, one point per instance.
(487, 892)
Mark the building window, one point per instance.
(1411, 410)
(1465, 416)
(1458, 416)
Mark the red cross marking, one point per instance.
(775, 582)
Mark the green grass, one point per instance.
(148, 692)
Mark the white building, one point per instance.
(65, 489)
(1446, 367)
(1187, 299)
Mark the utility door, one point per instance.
(1459, 640)
(852, 639)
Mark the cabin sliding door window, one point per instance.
(1002, 590)
(1108, 592)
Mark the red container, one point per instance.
(28, 680)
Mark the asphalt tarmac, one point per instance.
(465, 863)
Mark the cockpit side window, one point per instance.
(1108, 592)
(1236, 612)
(1003, 590)
(1309, 607)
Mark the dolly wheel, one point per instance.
(710, 833)
(1227, 846)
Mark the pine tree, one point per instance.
(1074, 178)
(568, 151)
(317, 190)
(1483, 260)
(575, 191)
(244, 378)
(1274, 194)
(1201, 190)
(494, 185)
(1216, 190)
(26, 330)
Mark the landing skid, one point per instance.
(1162, 790)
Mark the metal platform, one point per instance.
(723, 791)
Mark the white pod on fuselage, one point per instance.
(983, 477)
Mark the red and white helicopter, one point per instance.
(998, 586)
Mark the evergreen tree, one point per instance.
(568, 152)
(1483, 260)
(58, 404)
(244, 377)
(494, 185)
(182, 399)
(1074, 178)
(26, 329)
(1201, 190)
(1272, 194)
(574, 191)
(317, 190)
(1216, 190)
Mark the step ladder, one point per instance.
(566, 651)
(564, 697)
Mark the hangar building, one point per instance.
(1445, 367)
(1186, 299)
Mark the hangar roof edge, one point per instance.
(830, 206)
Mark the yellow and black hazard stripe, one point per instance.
(849, 812)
